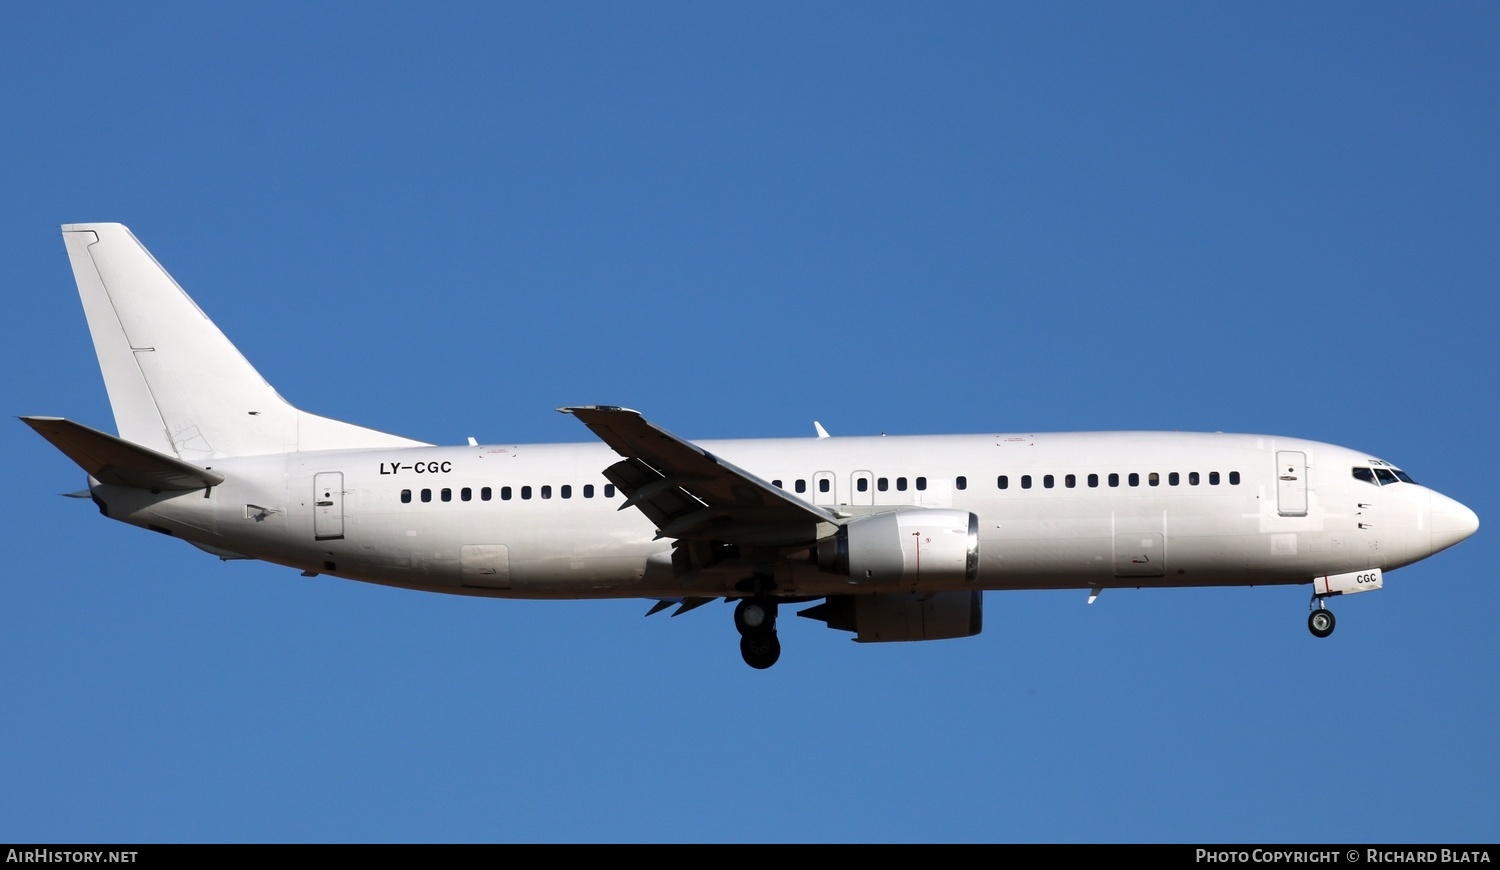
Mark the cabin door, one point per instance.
(1291, 483)
(328, 505)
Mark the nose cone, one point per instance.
(1451, 522)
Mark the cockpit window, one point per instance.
(1382, 476)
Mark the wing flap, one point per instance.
(123, 463)
(657, 496)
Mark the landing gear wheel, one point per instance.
(1320, 622)
(760, 651)
(754, 616)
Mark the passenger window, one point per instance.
(1114, 479)
(777, 484)
(588, 490)
(466, 494)
(447, 494)
(1192, 478)
(505, 493)
(1213, 478)
(1026, 481)
(901, 484)
(426, 495)
(862, 484)
(961, 482)
(484, 493)
(566, 491)
(609, 490)
(801, 486)
(921, 483)
(1173, 479)
(546, 492)
(406, 493)
(1154, 479)
(823, 484)
(1047, 481)
(1234, 478)
(1093, 480)
(1070, 481)
(1002, 482)
(882, 484)
(525, 492)
(1135, 479)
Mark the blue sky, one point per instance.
(446, 220)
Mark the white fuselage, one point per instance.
(1076, 510)
(899, 536)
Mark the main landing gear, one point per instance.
(1320, 621)
(755, 618)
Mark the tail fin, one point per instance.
(175, 383)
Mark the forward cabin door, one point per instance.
(328, 505)
(1291, 483)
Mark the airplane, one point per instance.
(889, 538)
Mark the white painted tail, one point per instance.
(175, 383)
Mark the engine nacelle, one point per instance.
(887, 617)
(904, 547)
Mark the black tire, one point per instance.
(760, 651)
(1320, 622)
(754, 616)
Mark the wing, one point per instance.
(693, 495)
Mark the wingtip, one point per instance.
(607, 409)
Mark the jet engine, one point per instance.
(907, 548)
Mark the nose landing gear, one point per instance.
(1320, 621)
(755, 619)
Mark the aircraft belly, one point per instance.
(1155, 546)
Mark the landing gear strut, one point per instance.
(755, 619)
(1320, 621)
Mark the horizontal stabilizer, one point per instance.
(116, 461)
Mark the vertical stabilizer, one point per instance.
(175, 383)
